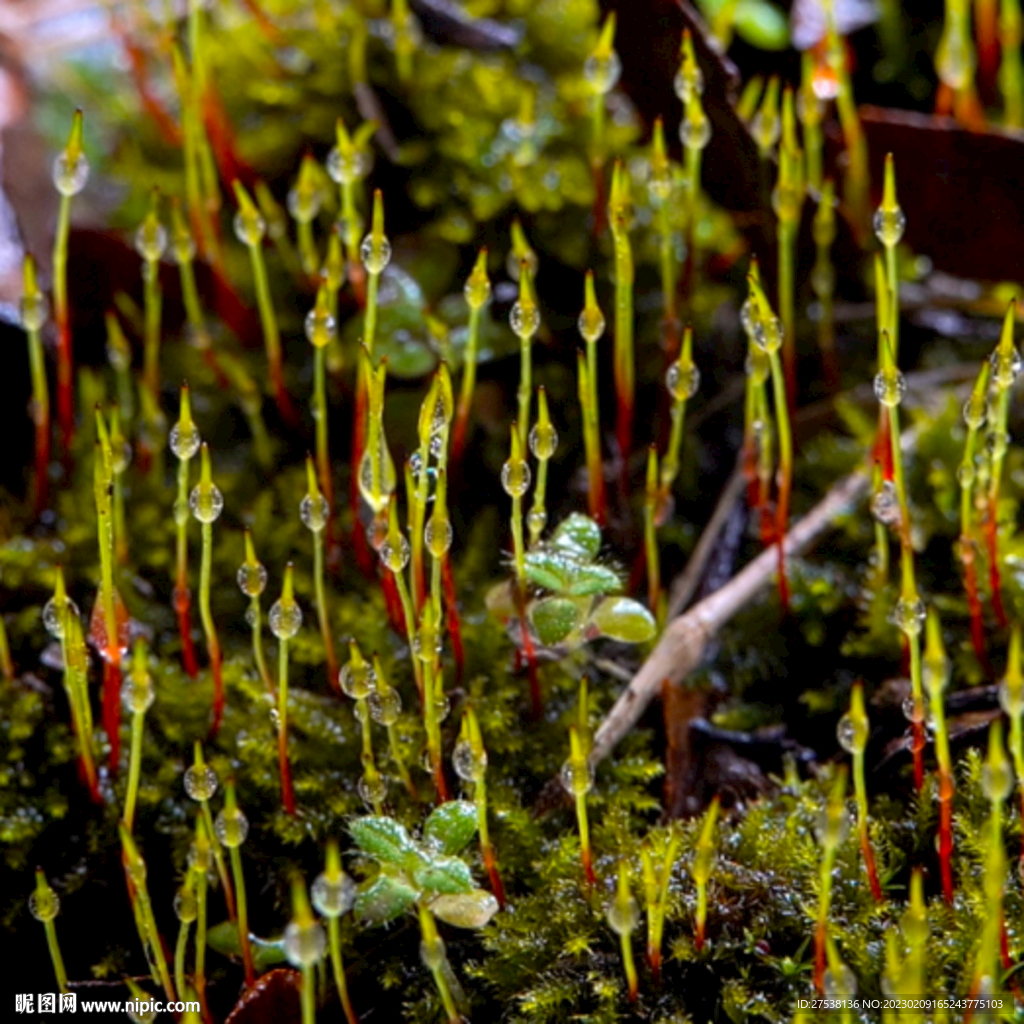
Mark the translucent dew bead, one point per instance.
(357, 680)
(466, 764)
(536, 520)
(889, 226)
(313, 511)
(682, 381)
(183, 245)
(34, 310)
(346, 168)
(1005, 368)
(333, 897)
(200, 782)
(304, 204)
(44, 905)
(385, 707)
(249, 227)
(200, 858)
(231, 829)
(695, 132)
(767, 334)
(890, 387)
(591, 324)
(285, 619)
(395, 556)
(186, 906)
(832, 826)
(623, 916)
(137, 696)
(320, 327)
(184, 443)
(975, 410)
(151, 240)
(852, 734)
(1011, 699)
(375, 257)
(577, 778)
(372, 789)
(432, 953)
(52, 619)
(997, 780)
(70, 176)
(908, 616)
(516, 477)
(252, 578)
(524, 320)
(206, 503)
(885, 505)
(543, 441)
(304, 944)
(438, 536)
(602, 71)
(914, 711)
(477, 291)
(689, 83)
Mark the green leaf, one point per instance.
(385, 840)
(224, 939)
(594, 579)
(565, 573)
(468, 910)
(384, 899)
(554, 618)
(579, 535)
(622, 618)
(761, 24)
(444, 875)
(451, 826)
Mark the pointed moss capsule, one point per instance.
(376, 249)
(602, 68)
(889, 221)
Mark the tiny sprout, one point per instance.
(184, 438)
(57, 607)
(908, 616)
(44, 905)
(766, 127)
(591, 323)
(889, 221)
(285, 621)
(313, 509)
(285, 614)
(252, 574)
(515, 473)
(623, 915)
(602, 68)
(394, 552)
(703, 863)
(206, 500)
(543, 437)
(689, 78)
(70, 168)
(320, 325)
(357, 678)
(305, 944)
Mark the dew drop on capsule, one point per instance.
(384, 707)
(1005, 369)
(438, 537)
(70, 176)
(889, 226)
(151, 240)
(186, 443)
(395, 556)
(285, 620)
(688, 84)
(372, 790)
(890, 387)
(767, 334)
(346, 168)
(466, 764)
(357, 681)
(34, 311)
(543, 441)
(375, 257)
(623, 916)
(333, 897)
(52, 616)
(591, 324)
(695, 132)
(200, 782)
(137, 696)
(320, 327)
(252, 578)
(908, 616)
(250, 227)
(516, 477)
(885, 505)
(231, 829)
(304, 944)
(524, 320)
(577, 779)
(185, 906)
(304, 204)
(206, 502)
(536, 520)
(975, 410)
(1011, 699)
(682, 381)
(831, 828)
(997, 780)
(44, 906)
(200, 858)
(852, 734)
(602, 71)
(313, 511)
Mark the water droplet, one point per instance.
(660, 186)
(45, 905)
(885, 505)
(467, 766)
(206, 502)
(375, 257)
(602, 71)
(200, 782)
(890, 387)
(1011, 699)
(438, 536)
(913, 711)
(250, 616)
(889, 225)
(623, 916)
(304, 944)
(682, 381)
(432, 954)
(285, 619)
(996, 444)
(137, 696)
(852, 734)
(52, 616)
(997, 780)
(965, 474)
(314, 511)
(477, 292)
(516, 477)
(184, 444)
(543, 441)
(591, 324)
(832, 826)
(231, 829)
(252, 578)
(186, 907)
(765, 130)
(908, 616)
(357, 680)
(1005, 368)
(184, 246)
(34, 311)
(304, 204)
(395, 556)
(333, 897)
(70, 176)
(200, 859)
(536, 520)
(767, 334)
(524, 320)
(345, 168)
(151, 240)
(514, 260)
(372, 790)
(320, 327)
(443, 703)
(975, 410)
(689, 84)
(249, 228)
(385, 707)
(577, 779)
(839, 982)
(695, 132)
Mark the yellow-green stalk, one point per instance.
(656, 890)
(183, 248)
(601, 71)
(120, 457)
(376, 476)
(150, 243)
(184, 442)
(477, 291)
(250, 227)
(70, 173)
(201, 784)
(975, 413)
(199, 862)
(620, 217)
(856, 180)
(314, 511)
(44, 905)
(372, 785)
(469, 759)
(889, 224)
(746, 105)
(438, 535)
(138, 695)
(434, 957)
(832, 829)
(152, 944)
(521, 252)
(695, 134)
(703, 862)
(376, 255)
(277, 228)
(823, 280)
(332, 274)
(578, 779)
(660, 187)
(543, 442)
(515, 478)
(186, 909)
(651, 492)
(907, 976)
(333, 894)
(591, 326)
(394, 553)
(682, 381)
(207, 503)
(285, 621)
(1011, 697)
(119, 355)
(1011, 71)
(524, 319)
(811, 112)
(231, 828)
(6, 662)
(347, 164)
(252, 581)
(304, 202)
(935, 675)
(787, 201)
(765, 125)
(207, 165)
(624, 916)
(1006, 365)
(435, 704)
(385, 704)
(34, 312)
(853, 731)
(405, 33)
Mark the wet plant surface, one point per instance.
(515, 519)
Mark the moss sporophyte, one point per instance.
(449, 800)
